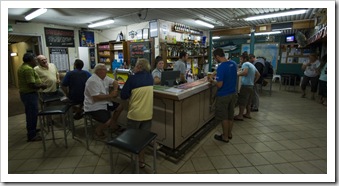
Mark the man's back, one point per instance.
(76, 81)
(249, 78)
(227, 73)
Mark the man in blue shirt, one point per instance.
(73, 86)
(250, 76)
(226, 81)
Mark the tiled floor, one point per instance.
(287, 136)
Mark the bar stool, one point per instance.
(133, 141)
(45, 100)
(88, 121)
(64, 112)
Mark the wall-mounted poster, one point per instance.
(59, 57)
(86, 38)
(59, 37)
(268, 50)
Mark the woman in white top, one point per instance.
(159, 67)
(310, 74)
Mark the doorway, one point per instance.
(19, 44)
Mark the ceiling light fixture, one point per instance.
(36, 14)
(293, 12)
(204, 23)
(101, 23)
(215, 37)
(14, 54)
(266, 33)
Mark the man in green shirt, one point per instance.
(29, 84)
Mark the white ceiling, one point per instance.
(221, 18)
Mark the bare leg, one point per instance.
(248, 111)
(230, 127)
(112, 122)
(225, 129)
(115, 116)
(241, 112)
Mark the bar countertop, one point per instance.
(182, 91)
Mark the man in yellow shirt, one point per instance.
(49, 75)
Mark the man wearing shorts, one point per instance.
(226, 81)
(98, 99)
(250, 76)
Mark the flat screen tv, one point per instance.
(168, 78)
(290, 39)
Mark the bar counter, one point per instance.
(180, 111)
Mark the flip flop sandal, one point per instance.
(248, 117)
(220, 138)
(238, 119)
(142, 164)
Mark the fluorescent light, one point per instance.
(294, 12)
(215, 37)
(14, 54)
(204, 23)
(266, 33)
(282, 29)
(101, 23)
(36, 14)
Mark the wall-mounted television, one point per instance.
(290, 39)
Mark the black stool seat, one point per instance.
(57, 109)
(51, 99)
(133, 140)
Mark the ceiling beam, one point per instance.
(232, 31)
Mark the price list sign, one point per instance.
(59, 37)
(59, 57)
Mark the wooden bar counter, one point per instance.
(179, 112)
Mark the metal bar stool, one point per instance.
(88, 120)
(66, 119)
(133, 141)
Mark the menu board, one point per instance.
(59, 57)
(139, 50)
(59, 37)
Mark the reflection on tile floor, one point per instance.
(287, 136)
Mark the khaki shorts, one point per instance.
(245, 95)
(224, 107)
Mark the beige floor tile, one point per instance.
(202, 164)
(282, 138)
(238, 161)
(267, 169)
(256, 159)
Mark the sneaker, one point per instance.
(36, 138)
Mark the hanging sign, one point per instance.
(59, 37)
